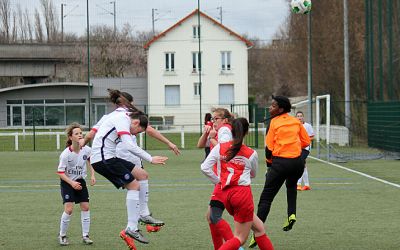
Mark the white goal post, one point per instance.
(317, 120)
(328, 123)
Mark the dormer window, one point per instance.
(196, 31)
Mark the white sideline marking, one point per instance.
(356, 172)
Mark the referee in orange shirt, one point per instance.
(285, 139)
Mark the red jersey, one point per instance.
(224, 135)
(236, 172)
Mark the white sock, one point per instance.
(132, 207)
(299, 180)
(85, 219)
(64, 223)
(144, 197)
(305, 177)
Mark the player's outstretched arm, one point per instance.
(159, 160)
(157, 135)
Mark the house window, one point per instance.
(169, 120)
(169, 61)
(196, 31)
(172, 95)
(226, 60)
(196, 60)
(197, 89)
(226, 94)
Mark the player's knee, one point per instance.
(215, 215)
(214, 219)
(85, 206)
(68, 210)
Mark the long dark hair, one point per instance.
(207, 118)
(142, 117)
(69, 130)
(240, 127)
(122, 99)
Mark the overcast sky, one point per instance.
(260, 18)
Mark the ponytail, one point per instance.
(240, 127)
(122, 99)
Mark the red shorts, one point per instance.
(239, 203)
(217, 194)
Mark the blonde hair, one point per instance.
(224, 113)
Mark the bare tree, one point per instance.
(21, 24)
(5, 13)
(38, 27)
(116, 55)
(14, 31)
(50, 19)
(28, 24)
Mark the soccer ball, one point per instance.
(301, 6)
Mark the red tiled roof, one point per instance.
(155, 38)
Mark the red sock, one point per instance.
(232, 244)
(224, 229)
(264, 243)
(216, 236)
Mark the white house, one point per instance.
(174, 65)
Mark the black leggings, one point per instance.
(282, 169)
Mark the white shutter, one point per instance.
(172, 95)
(226, 94)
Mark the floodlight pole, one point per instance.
(309, 74)
(199, 62)
(88, 60)
(347, 109)
(62, 22)
(153, 19)
(220, 14)
(115, 18)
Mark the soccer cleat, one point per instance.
(253, 242)
(289, 222)
(63, 240)
(136, 235)
(86, 240)
(299, 188)
(129, 241)
(305, 188)
(152, 229)
(148, 220)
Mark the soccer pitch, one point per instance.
(344, 210)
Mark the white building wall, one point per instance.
(179, 40)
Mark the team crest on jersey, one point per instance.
(67, 196)
(126, 176)
(85, 157)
